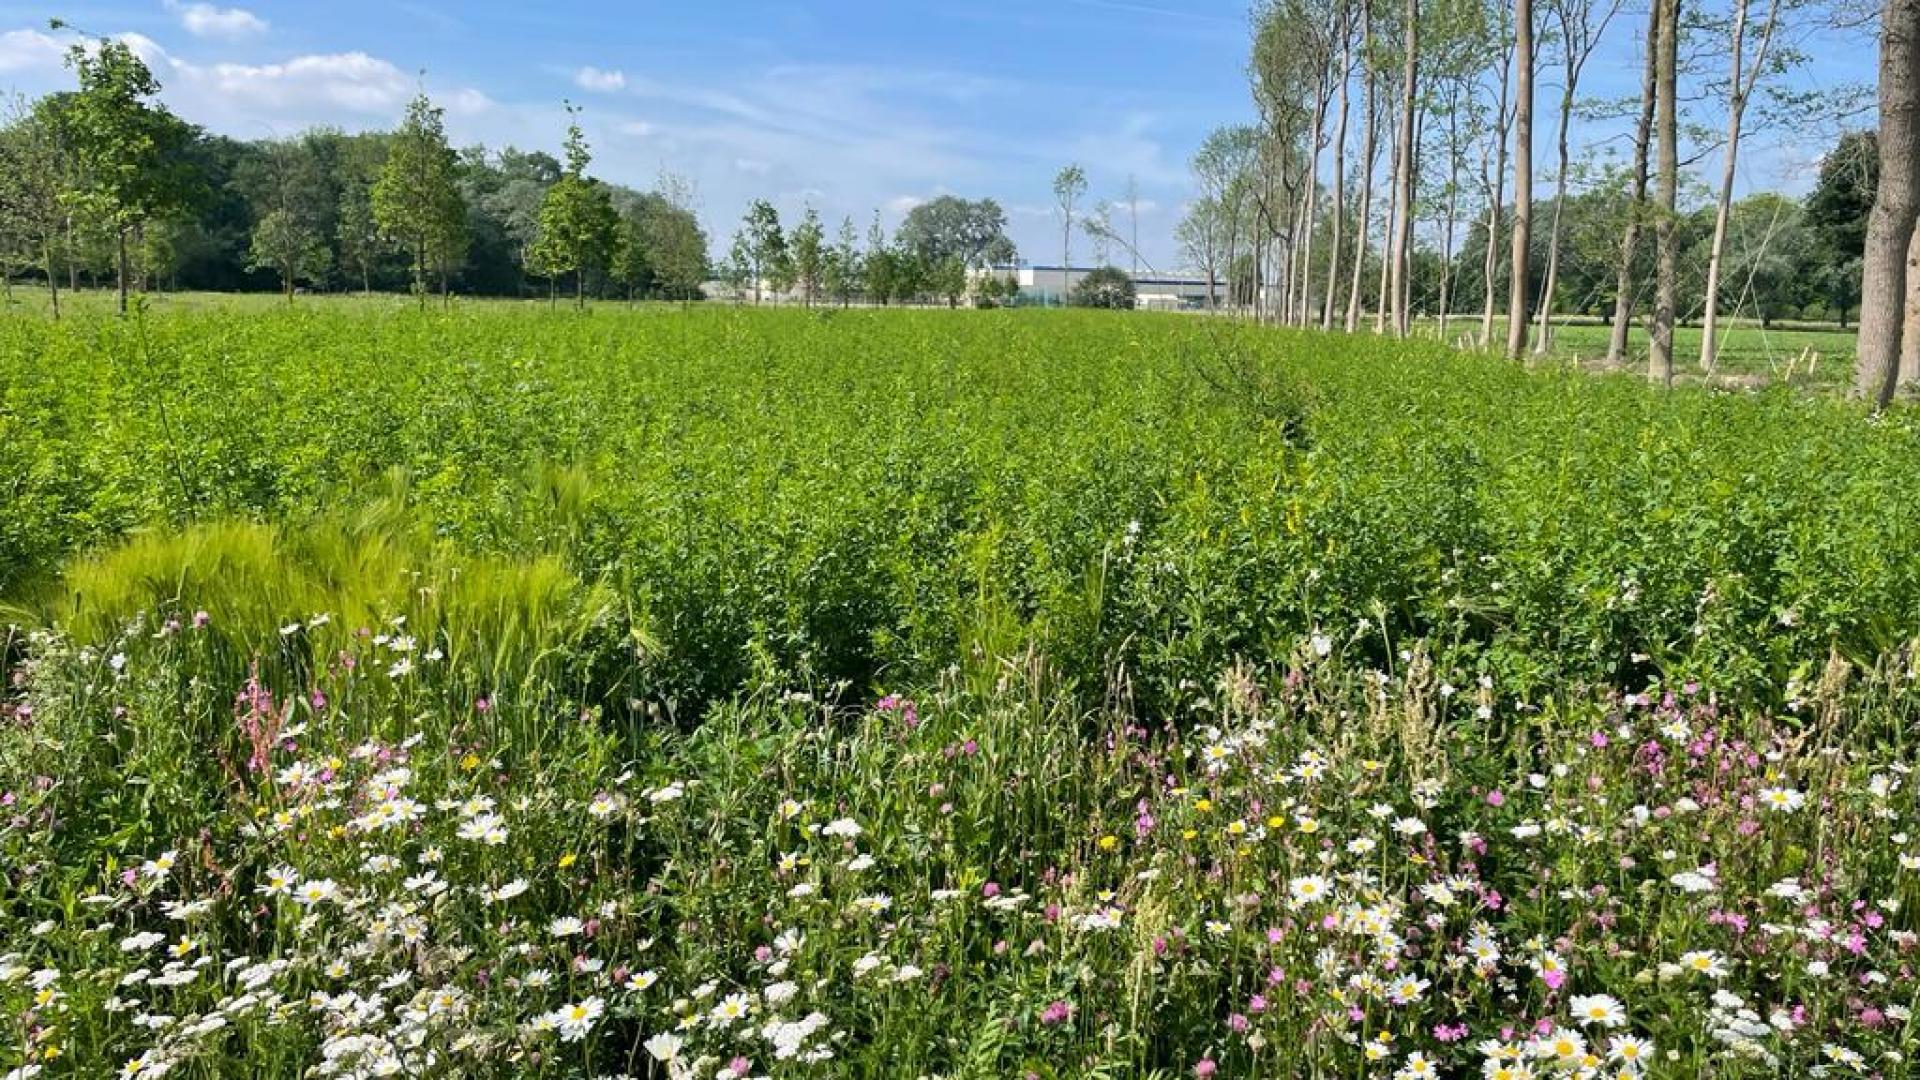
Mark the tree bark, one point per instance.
(1543, 330)
(1491, 268)
(1339, 179)
(1368, 149)
(1890, 227)
(1522, 178)
(1637, 205)
(1446, 231)
(1666, 194)
(120, 259)
(53, 279)
(1403, 175)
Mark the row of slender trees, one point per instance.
(103, 181)
(1445, 91)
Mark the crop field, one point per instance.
(726, 693)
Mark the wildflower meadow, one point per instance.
(727, 694)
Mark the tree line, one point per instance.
(103, 183)
(1390, 173)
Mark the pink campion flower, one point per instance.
(739, 1065)
(482, 705)
(1599, 740)
(1257, 1004)
(1554, 978)
(763, 954)
(1238, 1023)
(1495, 798)
(1449, 1033)
(1205, 1067)
(1056, 1013)
(990, 890)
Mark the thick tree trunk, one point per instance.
(1910, 324)
(1637, 205)
(1666, 193)
(1890, 227)
(1523, 59)
(1403, 175)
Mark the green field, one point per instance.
(730, 692)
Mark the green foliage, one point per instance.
(416, 200)
(1106, 287)
(579, 229)
(860, 498)
(289, 248)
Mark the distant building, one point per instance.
(1051, 285)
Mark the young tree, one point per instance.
(1069, 184)
(809, 254)
(289, 247)
(1637, 200)
(577, 220)
(129, 154)
(676, 244)
(842, 271)
(361, 245)
(1362, 220)
(1743, 76)
(881, 270)
(1581, 24)
(416, 201)
(31, 212)
(1401, 251)
(1493, 166)
(766, 248)
(1890, 228)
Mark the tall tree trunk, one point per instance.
(1890, 227)
(1910, 324)
(1323, 94)
(1339, 179)
(1543, 330)
(1403, 174)
(1637, 204)
(1361, 224)
(1740, 85)
(1523, 59)
(1666, 193)
(1491, 269)
(1386, 237)
(73, 268)
(1446, 230)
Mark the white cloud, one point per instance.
(208, 21)
(28, 50)
(604, 82)
(353, 81)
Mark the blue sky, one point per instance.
(848, 106)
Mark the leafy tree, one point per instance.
(359, 239)
(1836, 215)
(766, 245)
(809, 254)
(417, 202)
(948, 278)
(880, 270)
(577, 221)
(129, 153)
(31, 165)
(1069, 184)
(1106, 287)
(841, 272)
(975, 232)
(676, 244)
(291, 248)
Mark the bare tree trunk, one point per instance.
(1543, 330)
(1446, 232)
(1890, 228)
(1492, 266)
(1402, 241)
(120, 259)
(1740, 85)
(1361, 226)
(53, 279)
(1304, 312)
(1523, 59)
(1637, 205)
(1339, 179)
(1910, 325)
(1666, 192)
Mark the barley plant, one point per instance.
(723, 694)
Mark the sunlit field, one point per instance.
(727, 693)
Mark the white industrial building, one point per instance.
(1051, 285)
